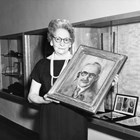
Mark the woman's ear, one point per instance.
(51, 43)
(70, 49)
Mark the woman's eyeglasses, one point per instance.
(59, 40)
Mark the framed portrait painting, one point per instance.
(87, 78)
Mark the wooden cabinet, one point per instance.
(118, 34)
(19, 54)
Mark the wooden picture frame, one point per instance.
(110, 63)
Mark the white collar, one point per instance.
(66, 56)
(82, 89)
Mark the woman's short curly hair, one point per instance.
(58, 23)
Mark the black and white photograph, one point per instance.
(62, 65)
(126, 104)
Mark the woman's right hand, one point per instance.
(36, 99)
(48, 99)
(33, 96)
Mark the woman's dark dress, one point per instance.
(58, 122)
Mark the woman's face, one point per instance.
(61, 41)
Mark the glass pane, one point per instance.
(12, 72)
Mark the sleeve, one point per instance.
(35, 74)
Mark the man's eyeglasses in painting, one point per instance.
(59, 40)
(90, 75)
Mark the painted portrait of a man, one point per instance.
(84, 86)
(87, 78)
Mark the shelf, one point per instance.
(16, 75)
(115, 127)
(122, 19)
(16, 55)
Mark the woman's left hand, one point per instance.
(115, 80)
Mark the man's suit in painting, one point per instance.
(87, 95)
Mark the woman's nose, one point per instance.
(62, 43)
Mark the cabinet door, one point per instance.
(129, 44)
(11, 61)
(34, 50)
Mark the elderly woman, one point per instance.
(58, 121)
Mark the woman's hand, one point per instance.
(115, 80)
(49, 100)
